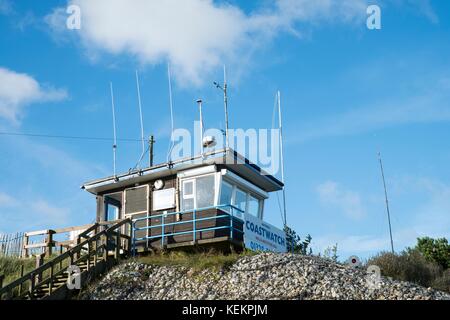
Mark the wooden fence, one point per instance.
(12, 244)
(26, 244)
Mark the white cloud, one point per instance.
(18, 90)
(349, 202)
(50, 214)
(7, 200)
(196, 36)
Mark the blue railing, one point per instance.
(194, 220)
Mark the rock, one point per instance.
(262, 276)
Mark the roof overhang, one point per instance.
(228, 158)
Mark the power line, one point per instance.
(65, 137)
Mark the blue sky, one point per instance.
(347, 93)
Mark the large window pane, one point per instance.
(240, 199)
(205, 191)
(187, 204)
(253, 206)
(226, 193)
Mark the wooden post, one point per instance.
(32, 280)
(50, 285)
(49, 243)
(25, 245)
(2, 277)
(22, 268)
(39, 262)
(117, 254)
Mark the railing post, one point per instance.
(96, 251)
(231, 224)
(49, 243)
(133, 234)
(162, 232)
(194, 225)
(31, 289)
(50, 285)
(22, 268)
(117, 253)
(39, 262)
(89, 256)
(25, 246)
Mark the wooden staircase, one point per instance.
(98, 248)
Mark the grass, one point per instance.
(10, 267)
(197, 261)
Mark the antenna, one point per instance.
(387, 202)
(140, 114)
(281, 154)
(199, 102)
(169, 78)
(114, 130)
(151, 143)
(225, 102)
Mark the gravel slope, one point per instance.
(263, 276)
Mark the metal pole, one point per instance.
(114, 129)
(281, 154)
(387, 202)
(199, 101)
(151, 142)
(140, 114)
(225, 102)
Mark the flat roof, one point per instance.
(226, 157)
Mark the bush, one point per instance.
(435, 250)
(295, 244)
(411, 266)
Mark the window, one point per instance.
(198, 193)
(253, 206)
(226, 193)
(240, 199)
(204, 194)
(187, 202)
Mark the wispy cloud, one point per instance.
(429, 217)
(19, 90)
(196, 36)
(6, 7)
(337, 197)
(7, 201)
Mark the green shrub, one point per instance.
(295, 244)
(435, 250)
(411, 266)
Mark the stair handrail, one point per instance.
(68, 254)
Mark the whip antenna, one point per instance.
(140, 114)
(281, 154)
(169, 78)
(114, 130)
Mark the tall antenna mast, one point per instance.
(169, 79)
(199, 102)
(387, 202)
(114, 130)
(281, 154)
(140, 114)
(225, 102)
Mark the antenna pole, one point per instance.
(280, 121)
(387, 202)
(140, 114)
(151, 142)
(114, 129)
(199, 101)
(169, 78)
(225, 102)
